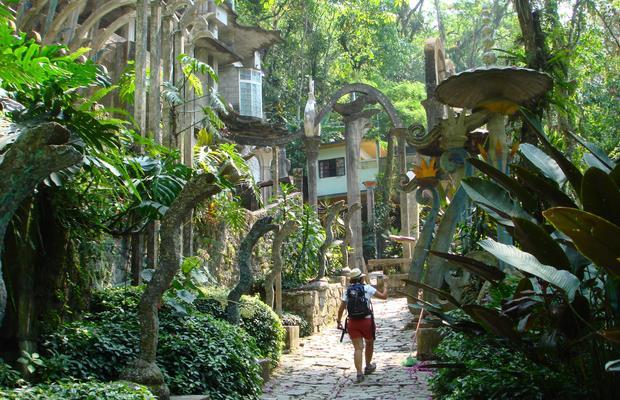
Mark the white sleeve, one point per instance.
(370, 291)
(344, 295)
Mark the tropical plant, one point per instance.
(197, 353)
(566, 257)
(75, 390)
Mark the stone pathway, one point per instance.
(323, 368)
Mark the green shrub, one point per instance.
(9, 377)
(489, 369)
(197, 353)
(291, 319)
(257, 319)
(68, 390)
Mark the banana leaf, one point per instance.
(545, 164)
(536, 241)
(529, 202)
(613, 335)
(613, 366)
(493, 196)
(547, 190)
(595, 237)
(459, 325)
(593, 162)
(526, 262)
(437, 292)
(492, 321)
(615, 174)
(570, 170)
(600, 195)
(485, 271)
(596, 151)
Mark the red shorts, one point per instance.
(358, 328)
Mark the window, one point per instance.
(333, 167)
(250, 93)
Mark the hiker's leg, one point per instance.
(370, 347)
(358, 343)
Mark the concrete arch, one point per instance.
(61, 18)
(368, 90)
(175, 5)
(96, 16)
(32, 14)
(103, 36)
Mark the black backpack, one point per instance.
(358, 306)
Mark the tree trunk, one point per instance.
(244, 261)
(136, 258)
(276, 255)
(36, 153)
(200, 187)
(332, 213)
(346, 243)
(537, 56)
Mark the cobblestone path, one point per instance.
(323, 368)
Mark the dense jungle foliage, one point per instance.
(539, 319)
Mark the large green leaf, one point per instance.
(615, 174)
(535, 240)
(592, 161)
(527, 199)
(595, 237)
(547, 165)
(600, 195)
(596, 151)
(612, 366)
(491, 195)
(492, 321)
(526, 262)
(547, 190)
(570, 170)
(437, 292)
(485, 271)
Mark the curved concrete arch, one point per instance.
(367, 90)
(175, 5)
(97, 15)
(61, 18)
(103, 36)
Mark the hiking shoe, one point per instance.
(370, 368)
(360, 378)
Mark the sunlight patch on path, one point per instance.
(323, 367)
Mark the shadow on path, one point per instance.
(323, 367)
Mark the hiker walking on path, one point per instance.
(360, 322)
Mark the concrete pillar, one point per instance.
(312, 145)
(275, 170)
(405, 210)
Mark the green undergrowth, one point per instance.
(485, 368)
(198, 352)
(71, 390)
(257, 319)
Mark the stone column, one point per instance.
(405, 220)
(356, 122)
(312, 145)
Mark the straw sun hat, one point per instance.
(356, 273)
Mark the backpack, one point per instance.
(358, 306)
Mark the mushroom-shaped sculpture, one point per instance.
(499, 90)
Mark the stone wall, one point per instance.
(317, 303)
